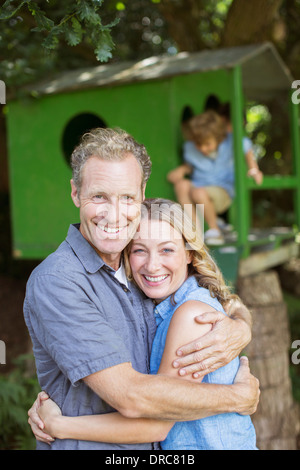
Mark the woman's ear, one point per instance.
(189, 256)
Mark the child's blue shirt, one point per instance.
(214, 172)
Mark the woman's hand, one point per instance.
(36, 422)
(48, 412)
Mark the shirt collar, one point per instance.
(120, 274)
(88, 256)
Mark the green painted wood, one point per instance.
(150, 108)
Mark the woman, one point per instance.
(169, 262)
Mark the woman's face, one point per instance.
(158, 259)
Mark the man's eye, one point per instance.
(168, 250)
(127, 198)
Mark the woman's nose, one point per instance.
(153, 263)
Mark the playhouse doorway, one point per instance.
(75, 128)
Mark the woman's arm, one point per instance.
(110, 427)
(113, 427)
(229, 335)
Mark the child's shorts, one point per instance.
(220, 197)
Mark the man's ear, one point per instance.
(143, 192)
(74, 194)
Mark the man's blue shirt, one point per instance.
(82, 320)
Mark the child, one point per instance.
(208, 157)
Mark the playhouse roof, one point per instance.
(264, 72)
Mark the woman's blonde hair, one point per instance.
(202, 265)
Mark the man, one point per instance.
(92, 331)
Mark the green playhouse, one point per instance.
(147, 99)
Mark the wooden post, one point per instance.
(276, 418)
(242, 196)
(295, 141)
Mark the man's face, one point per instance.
(110, 204)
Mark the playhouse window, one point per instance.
(75, 128)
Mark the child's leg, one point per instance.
(183, 195)
(201, 196)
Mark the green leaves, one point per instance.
(43, 23)
(73, 32)
(18, 390)
(104, 47)
(7, 10)
(81, 23)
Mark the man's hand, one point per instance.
(36, 423)
(248, 388)
(226, 339)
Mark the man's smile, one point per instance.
(113, 230)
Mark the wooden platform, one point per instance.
(269, 258)
(267, 248)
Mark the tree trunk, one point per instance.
(183, 18)
(277, 415)
(4, 186)
(250, 22)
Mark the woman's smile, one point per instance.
(155, 280)
(158, 259)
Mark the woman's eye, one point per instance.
(168, 250)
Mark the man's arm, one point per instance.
(228, 337)
(117, 428)
(165, 396)
(162, 397)
(137, 395)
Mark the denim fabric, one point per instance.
(229, 431)
(82, 319)
(214, 172)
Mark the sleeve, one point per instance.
(247, 144)
(190, 154)
(71, 328)
(203, 295)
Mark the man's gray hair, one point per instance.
(108, 144)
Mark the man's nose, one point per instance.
(111, 213)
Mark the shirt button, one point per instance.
(125, 289)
